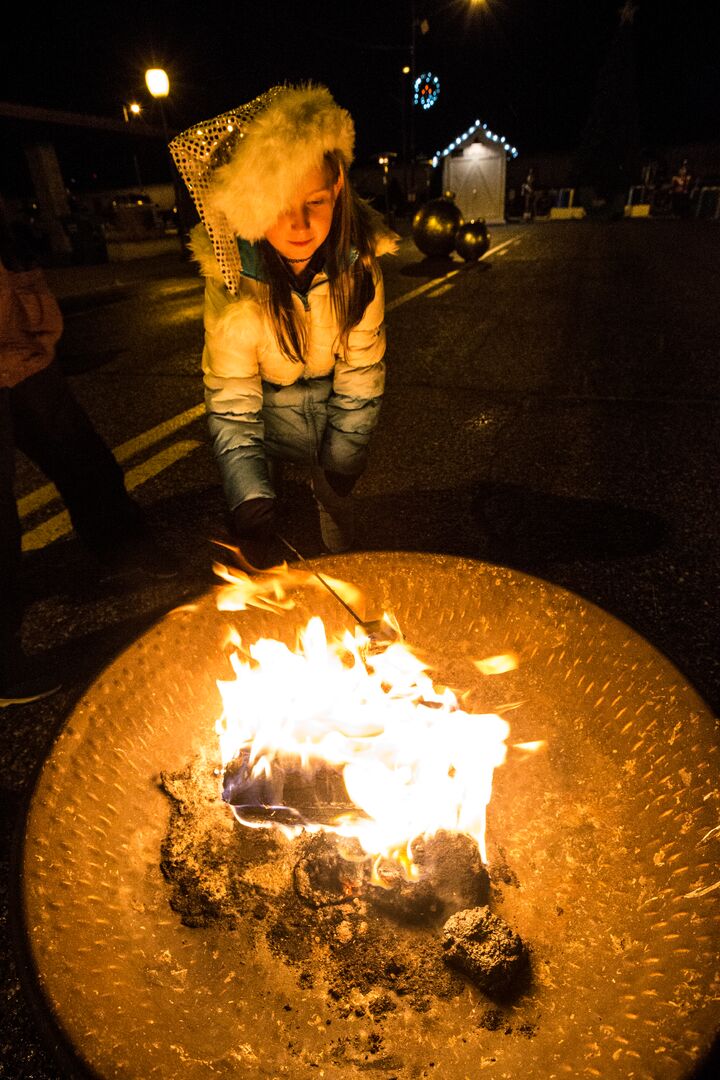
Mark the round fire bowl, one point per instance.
(601, 846)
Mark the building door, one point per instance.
(479, 185)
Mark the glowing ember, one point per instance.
(497, 665)
(410, 760)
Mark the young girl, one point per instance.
(294, 307)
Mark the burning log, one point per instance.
(285, 794)
(314, 901)
(323, 876)
(374, 783)
(450, 875)
(482, 946)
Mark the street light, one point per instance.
(158, 83)
(385, 160)
(404, 95)
(132, 109)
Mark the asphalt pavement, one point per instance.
(77, 284)
(554, 409)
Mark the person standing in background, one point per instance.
(527, 192)
(680, 191)
(40, 416)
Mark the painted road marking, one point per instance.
(48, 492)
(60, 524)
(446, 277)
(441, 289)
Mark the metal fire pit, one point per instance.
(609, 833)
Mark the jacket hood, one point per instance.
(243, 167)
(275, 153)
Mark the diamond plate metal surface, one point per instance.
(610, 833)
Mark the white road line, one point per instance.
(60, 525)
(446, 277)
(45, 494)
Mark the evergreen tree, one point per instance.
(608, 157)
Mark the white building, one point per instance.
(474, 170)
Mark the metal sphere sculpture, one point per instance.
(472, 240)
(434, 227)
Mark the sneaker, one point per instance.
(337, 515)
(338, 531)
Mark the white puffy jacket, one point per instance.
(260, 404)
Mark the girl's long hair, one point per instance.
(350, 277)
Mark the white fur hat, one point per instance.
(243, 167)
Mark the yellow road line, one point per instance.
(28, 504)
(446, 277)
(441, 289)
(45, 494)
(60, 525)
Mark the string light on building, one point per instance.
(510, 150)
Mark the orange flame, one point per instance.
(271, 589)
(412, 761)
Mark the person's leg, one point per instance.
(10, 551)
(19, 683)
(55, 432)
(276, 471)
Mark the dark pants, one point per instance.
(42, 417)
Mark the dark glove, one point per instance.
(253, 524)
(342, 485)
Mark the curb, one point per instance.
(75, 287)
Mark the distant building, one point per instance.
(473, 169)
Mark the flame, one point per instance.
(271, 590)
(498, 665)
(411, 759)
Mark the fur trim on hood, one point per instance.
(243, 167)
(279, 148)
(202, 251)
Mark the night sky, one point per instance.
(528, 68)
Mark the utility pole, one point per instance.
(413, 75)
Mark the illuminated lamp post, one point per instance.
(404, 91)
(421, 24)
(385, 161)
(158, 83)
(132, 109)
(413, 24)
